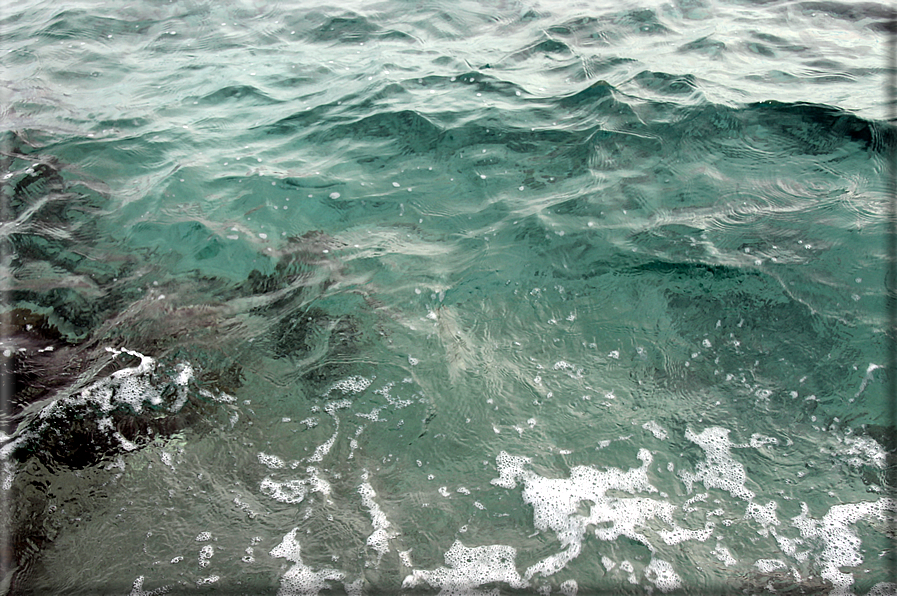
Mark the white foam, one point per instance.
(767, 565)
(379, 539)
(863, 450)
(764, 515)
(661, 574)
(841, 543)
(125, 443)
(569, 587)
(655, 429)
(725, 557)
(469, 568)
(325, 447)
(137, 589)
(290, 491)
(758, 440)
(271, 461)
(206, 553)
(300, 580)
(8, 473)
(866, 378)
(355, 588)
(205, 581)
(294, 491)
(719, 470)
(556, 503)
(350, 385)
(130, 386)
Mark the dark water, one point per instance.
(463, 298)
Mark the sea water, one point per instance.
(446, 297)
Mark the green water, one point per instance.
(596, 291)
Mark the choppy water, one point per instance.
(394, 297)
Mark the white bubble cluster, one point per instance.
(290, 491)
(725, 557)
(131, 386)
(469, 568)
(557, 502)
(325, 447)
(758, 440)
(719, 470)
(765, 515)
(661, 574)
(137, 589)
(300, 580)
(841, 543)
(350, 385)
(863, 450)
(768, 565)
(655, 429)
(205, 581)
(271, 461)
(379, 539)
(206, 553)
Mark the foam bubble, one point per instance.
(206, 553)
(556, 506)
(469, 568)
(325, 447)
(205, 581)
(137, 589)
(841, 543)
(129, 386)
(768, 565)
(860, 451)
(350, 385)
(300, 579)
(271, 461)
(758, 440)
(725, 557)
(379, 539)
(661, 574)
(719, 470)
(655, 429)
(764, 515)
(291, 491)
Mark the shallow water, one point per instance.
(398, 298)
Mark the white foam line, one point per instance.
(325, 448)
(379, 539)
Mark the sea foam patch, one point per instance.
(132, 386)
(300, 579)
(840, 542)
(469, 568)
(556, 506)
(720, 470)
(379, 539)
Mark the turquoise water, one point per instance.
(459, 298)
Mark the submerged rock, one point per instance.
(102, 351)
